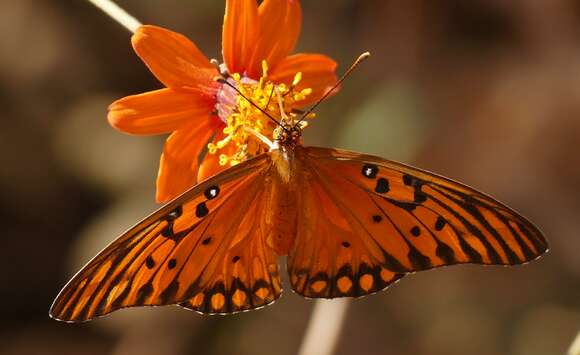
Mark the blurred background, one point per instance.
(484, 91)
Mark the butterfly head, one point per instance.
(289, 134)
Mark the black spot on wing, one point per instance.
(176, 213)
(149, 262)
(418, 260)
(445, 253)
(440, 223)
(415, 231)
(168, 230)
(201, 210)
(370, 171)
(382, 186)
(407, 206)
(144, 292)
(212, 192)
(419, 196)
(171, 264)
(169, 293)
(393, 264)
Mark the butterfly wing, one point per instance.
(364, 222)
(201, 250)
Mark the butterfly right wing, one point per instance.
(365, 221)
(189, 251)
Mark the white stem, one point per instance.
(117, 14)
(575, 347)
(324, 327)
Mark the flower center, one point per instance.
(244, 121)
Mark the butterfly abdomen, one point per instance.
(280, 217)
(280, 210)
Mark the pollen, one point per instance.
(245, 122)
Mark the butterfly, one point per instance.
(350, 224)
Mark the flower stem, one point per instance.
(324, 327)
(575, 347)
(117, 14)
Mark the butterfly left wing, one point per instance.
(364, 222)
(201, 250)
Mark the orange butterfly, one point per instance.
(351, 225)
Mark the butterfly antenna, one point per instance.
(225, 82)
(359, 60)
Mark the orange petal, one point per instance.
(318, 73)
(280, 23)
(180, 159)
(210, 165)
(239, 35)
(159, 111)
(173, 58)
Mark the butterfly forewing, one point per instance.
(187, 252)
(376, 220)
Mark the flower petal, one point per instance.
(180, 159)
(159, 111)
(210, 165)
(280, 23)
(173, 59)
(318, 73)
(240, 32)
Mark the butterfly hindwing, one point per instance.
(375, 216)
(329, 259)
(247, 274)
(187, 252)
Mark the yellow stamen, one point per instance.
(297, 79)
(247, 128)
(264, 69)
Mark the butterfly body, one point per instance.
(351, 225)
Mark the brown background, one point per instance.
(484, 91)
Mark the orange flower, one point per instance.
(199, 112)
